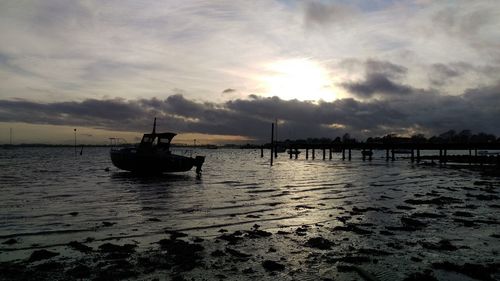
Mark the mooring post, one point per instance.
(343, 153)
(393, 155)
(296, 153)
(445, 156)
(261, 151)
(350, 154)
(330, 154)
(387, 154)
(418, 155)
(440, 155)
(272, 142)
(370, 156)
(412, 155)
(324, 154)
(307, 153)
(363, 154)
(275, 150)
(313, 154)
(290, 152)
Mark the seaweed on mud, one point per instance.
(477, 271)
(80, 247)
(184, 254)
(237, 254)
(233, 238)
(319, 243)
(270, 265)
(353, 228)
(39, 255)
(427, 275)
(442, 245)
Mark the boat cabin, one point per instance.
(160, 141)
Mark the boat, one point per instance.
(153, 155)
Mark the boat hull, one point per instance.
(130, 159)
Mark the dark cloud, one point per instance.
(478, 109)
(318, 13)
(386, 68)
(376, 83)
(380, 79)
(228, 90)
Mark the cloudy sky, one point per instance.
(222, 71)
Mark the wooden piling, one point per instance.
(412, 155)
(350, 154)
(387, 155)
(343, 153)
(330, 156)
(272, 142)
(418, 155)
(261, 151)
(393, 155)
(324, 154)
(370, 156)
(313, 154)
(307, 153)
(363, 154)
(290, 152)
(296, 153)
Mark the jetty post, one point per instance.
(324, 155)
(261, 151)
(418, 155)
(387, 154)
(350, 154)
(313, 154)
(370, 156)
(272, 142)
(393, 156)
(296, 153)
(343, 153)
(307, 153)
(290, 152)
(330, 158)
(412, 155)
(75, 141)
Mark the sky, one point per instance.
(222, 71)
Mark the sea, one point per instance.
(397, 217)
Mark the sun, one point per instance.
(300, 79)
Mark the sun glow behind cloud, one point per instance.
(300, 79)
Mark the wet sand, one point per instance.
(404, 225)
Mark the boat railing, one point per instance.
(118, 143)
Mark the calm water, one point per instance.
(49, 197)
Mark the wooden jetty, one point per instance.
(410, 151)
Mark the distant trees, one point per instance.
(451, 136)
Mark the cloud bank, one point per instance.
(420, 111)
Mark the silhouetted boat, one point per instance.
(153, 155)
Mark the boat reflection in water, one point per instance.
(153, 156)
